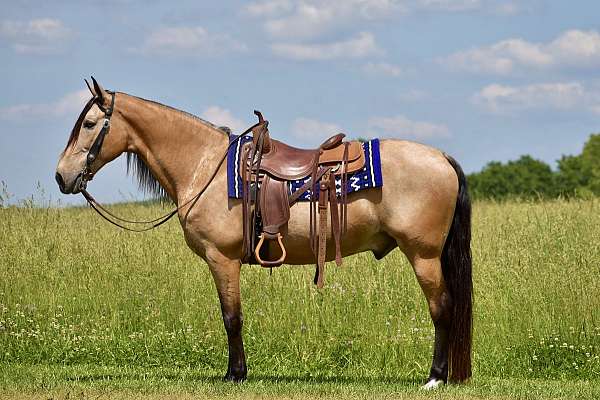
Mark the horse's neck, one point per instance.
(179, 149)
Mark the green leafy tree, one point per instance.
(578, 175)
(525, 177)
(571, 176)
(591, 163)
(490, 182)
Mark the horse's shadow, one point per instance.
(199, 376)
(347, 380)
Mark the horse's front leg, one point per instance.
(226, 274)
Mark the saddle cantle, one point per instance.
(266, 167)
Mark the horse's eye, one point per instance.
(89, 124)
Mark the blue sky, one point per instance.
(481, 79)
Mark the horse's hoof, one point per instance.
(433, 384)
(234, 378)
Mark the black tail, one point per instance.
(457, 270)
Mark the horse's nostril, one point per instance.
(60, 181)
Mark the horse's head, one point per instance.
(90, 145)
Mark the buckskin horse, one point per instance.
(423, 208)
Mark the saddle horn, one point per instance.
(260, 116)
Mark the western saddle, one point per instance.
(266, 167)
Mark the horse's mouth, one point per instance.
(79, 184)
(74, 188)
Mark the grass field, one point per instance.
(87, 310)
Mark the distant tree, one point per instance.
(525, 177)
(580, 174)
(591, 163)
(490, 182)
(571, 176)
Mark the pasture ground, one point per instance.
(92, 382)
(88, 311)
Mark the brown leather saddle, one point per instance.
(267, 166)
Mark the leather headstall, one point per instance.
(92, 155)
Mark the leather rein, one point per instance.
(87, 175)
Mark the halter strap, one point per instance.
(97, 145)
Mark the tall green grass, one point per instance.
(75, 290)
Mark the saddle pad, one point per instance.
(368, 177)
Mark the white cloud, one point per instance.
(306, 128)
(573, 48)
(188, 41)
(222, 117)
(305, 19)
(450, 5)
(295, 25)
(383, 68)
(71, 103)
(508, 8)
(269, 8)
(558, 96)
(37, 36)
(311, 18)
(308, 21)
(577, 47)
(402, 127)
(362, 45)
(496, 7)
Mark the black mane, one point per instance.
(147, 183)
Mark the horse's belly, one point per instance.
(363, 232)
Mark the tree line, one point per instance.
(527, 177)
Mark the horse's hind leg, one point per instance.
(430, 278)
(226, 274)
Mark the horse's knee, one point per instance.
(233, 322)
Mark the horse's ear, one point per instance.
(101, 93)
(90, 88)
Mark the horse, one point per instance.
(423, 208)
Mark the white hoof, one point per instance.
(433, 384)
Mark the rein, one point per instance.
(87, 175)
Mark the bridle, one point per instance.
(87, 175)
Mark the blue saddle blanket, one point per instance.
(368, 177)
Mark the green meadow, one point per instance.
(88, 310)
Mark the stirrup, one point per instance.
(267, 263)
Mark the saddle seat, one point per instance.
(290, 163)
(287, 162)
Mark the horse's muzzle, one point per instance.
(73, 188)
(61, 182)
